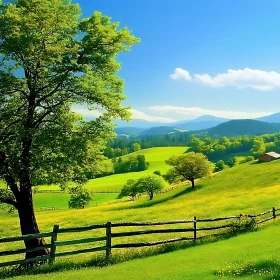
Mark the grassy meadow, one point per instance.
(247, 256)
(155, 156)
(248, 188)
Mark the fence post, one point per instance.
(109, 239)
(194, 228)
(53, 247)
(273, 213)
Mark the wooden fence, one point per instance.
(110, 234)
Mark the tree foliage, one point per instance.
(79, 198)
(130, 164)
(220, 165)
(130, 189)
(50, 60)
(189, 166)
(150, 184)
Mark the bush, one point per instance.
(157, 172)
(219, 166)
(243, 225)
(247, 159)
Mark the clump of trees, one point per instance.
(119, 148)
(130, 164)
(118, 166)
(151, 185)
(189, 167)
(255, 146)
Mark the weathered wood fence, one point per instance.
(109, 235)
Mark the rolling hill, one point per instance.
(161, 130)
(242, 127)
(247, 188)
(214, 126)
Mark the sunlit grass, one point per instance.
(248, 188)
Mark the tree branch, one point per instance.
(10, 180)
(9, 201)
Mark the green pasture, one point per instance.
(60, 200)
(248, 188)
(249, 256)
(155, 156)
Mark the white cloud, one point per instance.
(137, 115)
(180, 73)
(194, 112)
(143, 116)
(243, 78)
(86, 112)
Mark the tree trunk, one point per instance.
(28, 223)
(151, 195)
(192, 181)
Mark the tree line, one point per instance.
(255, 146)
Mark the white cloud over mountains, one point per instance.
(194, 112)
(138, 115)
(169, 114)
(243, 78)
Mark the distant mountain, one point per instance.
(274, 118)
(139, 124)
(242, 127)
(202, 122)
(130, 131)
(160, 130)
(267, 124)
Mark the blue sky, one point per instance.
(226, 52)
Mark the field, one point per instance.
(247, 188)
(248, 256)
(155, 156)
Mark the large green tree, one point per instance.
(50, 59)
(189, 166)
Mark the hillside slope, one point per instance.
(242, 127)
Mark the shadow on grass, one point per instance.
(159, 200)
(100, 261)
(266, 269)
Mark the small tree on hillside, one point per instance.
(129, 189)
(232, 161)
(190, 166)
(150, 184)
(80, 197)
(220, 165)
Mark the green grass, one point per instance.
(60, 200)
(155, 156)
(248, 256)
(247, 188)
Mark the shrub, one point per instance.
(243, 224)
(247, 159)
(157, 172)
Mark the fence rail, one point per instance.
(110, 234)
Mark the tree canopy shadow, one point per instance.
(159, 200)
